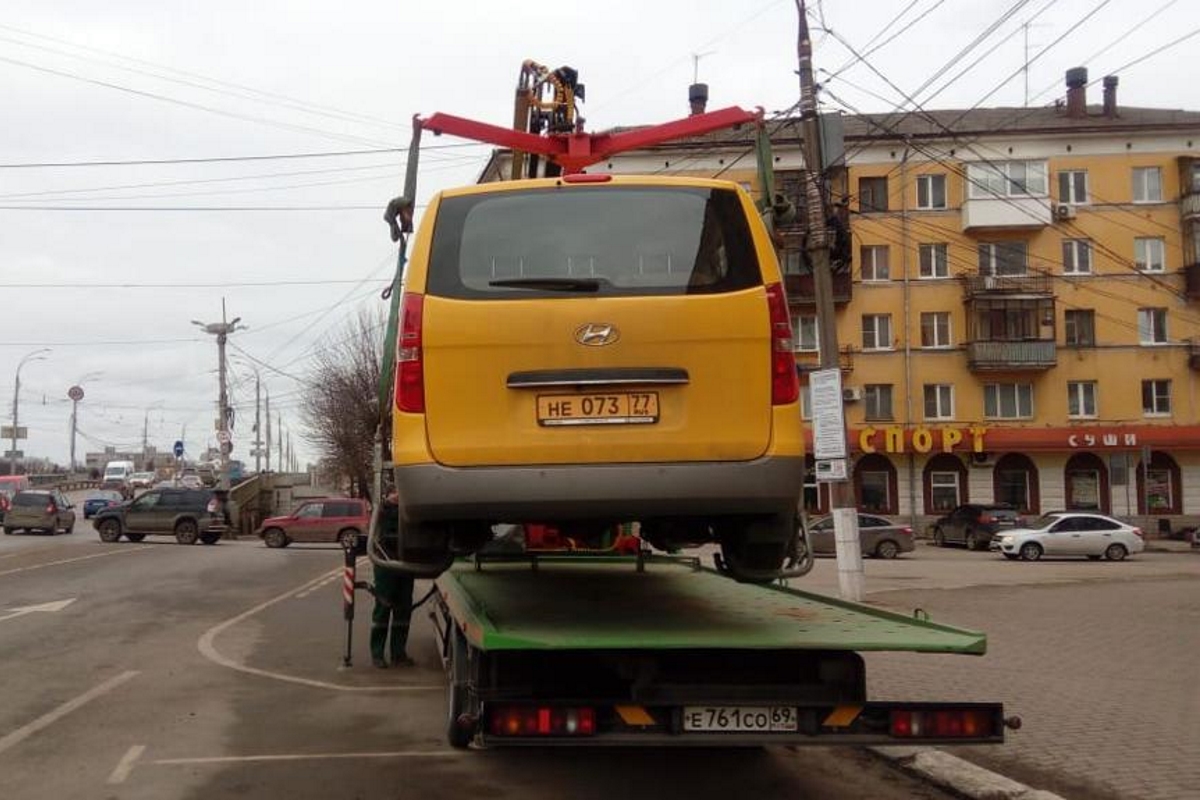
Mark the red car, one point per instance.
(322, 519)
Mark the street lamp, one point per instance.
(222, 330)
(36, 355)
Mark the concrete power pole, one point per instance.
(222, 330)
(268, 436)
(841, 492)
(279, 430)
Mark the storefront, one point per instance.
(923, 471)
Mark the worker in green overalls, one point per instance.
(393, 593)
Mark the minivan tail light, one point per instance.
(785, 386)
(410, 371)
(49, 508)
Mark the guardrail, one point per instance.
(62, 481)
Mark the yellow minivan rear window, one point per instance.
(591, 240)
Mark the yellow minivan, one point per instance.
(590, 350)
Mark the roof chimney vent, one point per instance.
(1110, 95)
(698, 97)
(1077, 92)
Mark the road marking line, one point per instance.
(305, 757)
(205, 644)
(303, 593)
(78, 558)
(125, 765)
(25, 731)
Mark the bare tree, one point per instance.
(340, 402)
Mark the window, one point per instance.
(1081, 398)
(1152, 325)
(1077, 256)
(934, 260)
(1008, 400)
(939, 401)
(1194, 182)
(1073, 187)
(806, 402)
(1006, 179)
(1012, 487)
(1156, 398)
(1149, 254)
(875, 484)
(877, 331)
(943, 491)
(877, 398)
(1002, 258)
(931, 191)
(1147, 185)
(310, 511)
(935, 329)
(874, 259)
(1080, 325)
(804, 331)
(872, 194)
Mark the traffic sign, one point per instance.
(75, 393)
(179, 449)
(223, 437)
(14, 453)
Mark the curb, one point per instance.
(958, 775)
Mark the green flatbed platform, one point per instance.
(572, 603)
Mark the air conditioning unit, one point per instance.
(1064, 211)
(851, 394)
(983, 460)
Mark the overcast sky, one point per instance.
(112, 292)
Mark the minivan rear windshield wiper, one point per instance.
(550, 284)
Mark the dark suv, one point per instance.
(190, 515)
(973, 524)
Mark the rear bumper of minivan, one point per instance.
(622, 491)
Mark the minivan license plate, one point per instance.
(606, 408)
(740, 719)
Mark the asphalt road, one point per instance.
(214, 671)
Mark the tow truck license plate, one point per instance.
(601, 408)
(740, 719)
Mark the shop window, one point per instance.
(1087, 483)
(945, 483)
(1160, 486)
(875, 484)
(1015, 481)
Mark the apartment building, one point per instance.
(1019, 314)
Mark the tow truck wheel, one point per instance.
(754, 550)
(186, 532)
(458, 732)
(109, 530)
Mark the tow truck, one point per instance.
(628, 646)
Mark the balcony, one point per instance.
(802, 290)
(1189, 206)
(1191, 281)
(1035, 354)
(1014, 286)
(1006, 213)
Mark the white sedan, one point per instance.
(1070, 533)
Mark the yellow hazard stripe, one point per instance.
(842, 716)
(635, 715)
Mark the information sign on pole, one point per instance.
(828, 417)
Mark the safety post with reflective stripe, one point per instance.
(348, 579)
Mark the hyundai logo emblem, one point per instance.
(597, 334)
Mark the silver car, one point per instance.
(1070, 533)
(878, 536)
(40, 510)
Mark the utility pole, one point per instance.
(222, 330)
(841, 493)
(14, 459)
(257, 424)
(268, 436)
(145, 437)
(279, 430)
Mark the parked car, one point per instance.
(40, 510)
(974, 524)
(1070, 533)
(117, 485)
(327, 519)
(631, 362)
(191, 481)
(878, 536)
(101, 498)
(190, 515)
(141, 480)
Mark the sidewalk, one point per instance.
(1170, 546)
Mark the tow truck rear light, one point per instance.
(785, 386)
(512, 720)
(960, 723)
(410, 370)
